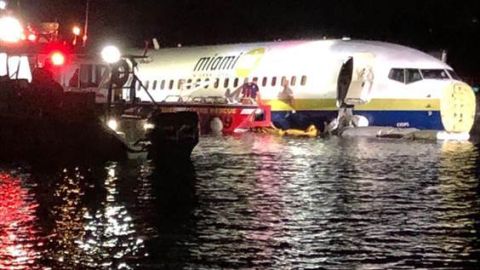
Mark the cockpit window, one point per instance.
(453, 75)
(438, 74)
(412, 75)
(397, 74)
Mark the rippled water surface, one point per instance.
(250, 202)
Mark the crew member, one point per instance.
(287, 95)
(74, 81)
(47, 95)
(250, 91)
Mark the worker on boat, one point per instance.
(42, 79)
(47, 93)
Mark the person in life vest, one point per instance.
(250, 92)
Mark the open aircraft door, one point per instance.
(355, 80)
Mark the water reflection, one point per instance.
(174, 200)
(252, 202)
(115, 216)
(91, 227)
(282, 203)
(110, 236)
(20, 244)
(68, 211)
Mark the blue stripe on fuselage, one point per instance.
(415, 119)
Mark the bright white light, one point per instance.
(32, 37)
(10, 29)
(76, 30)
(446, 136)
(111, 54)
(3, 5)
(148, 126)
(112, 124)
(360, 121)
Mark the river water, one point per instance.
(250, 202)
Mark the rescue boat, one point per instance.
(216, 114)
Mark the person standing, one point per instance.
(250, 91)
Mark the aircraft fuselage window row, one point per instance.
(191, 84)
(410, 75)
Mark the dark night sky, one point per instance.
(426, 25)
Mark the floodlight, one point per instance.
(11, 29)
(111, 54)
(3, 5)
(76, 30)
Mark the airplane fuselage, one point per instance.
(306, 82)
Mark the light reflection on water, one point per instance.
(290, 203)
(20, 244)
(254, 201)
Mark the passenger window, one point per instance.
(181, 84)
(216, 83)
(147, 84)
(197, 84)
(304, 80)
(170, 85)
(274, 81)
(264, 81)
(397, 74)
(162, 85)
(139, 85)
(284, 79)
(293, 80)
(412, 75)
(154, 86)
(235, 82)
(189, 84)
(225, 83)
(207, 83)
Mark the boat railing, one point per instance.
(213, 100)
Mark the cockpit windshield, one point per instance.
(411, 75)
(454, 75)
(439, 74)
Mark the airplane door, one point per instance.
(355, 80)
(343, 82)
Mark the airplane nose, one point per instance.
(457, 108)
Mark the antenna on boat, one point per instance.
(85, 28)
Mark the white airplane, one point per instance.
(310, 82)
